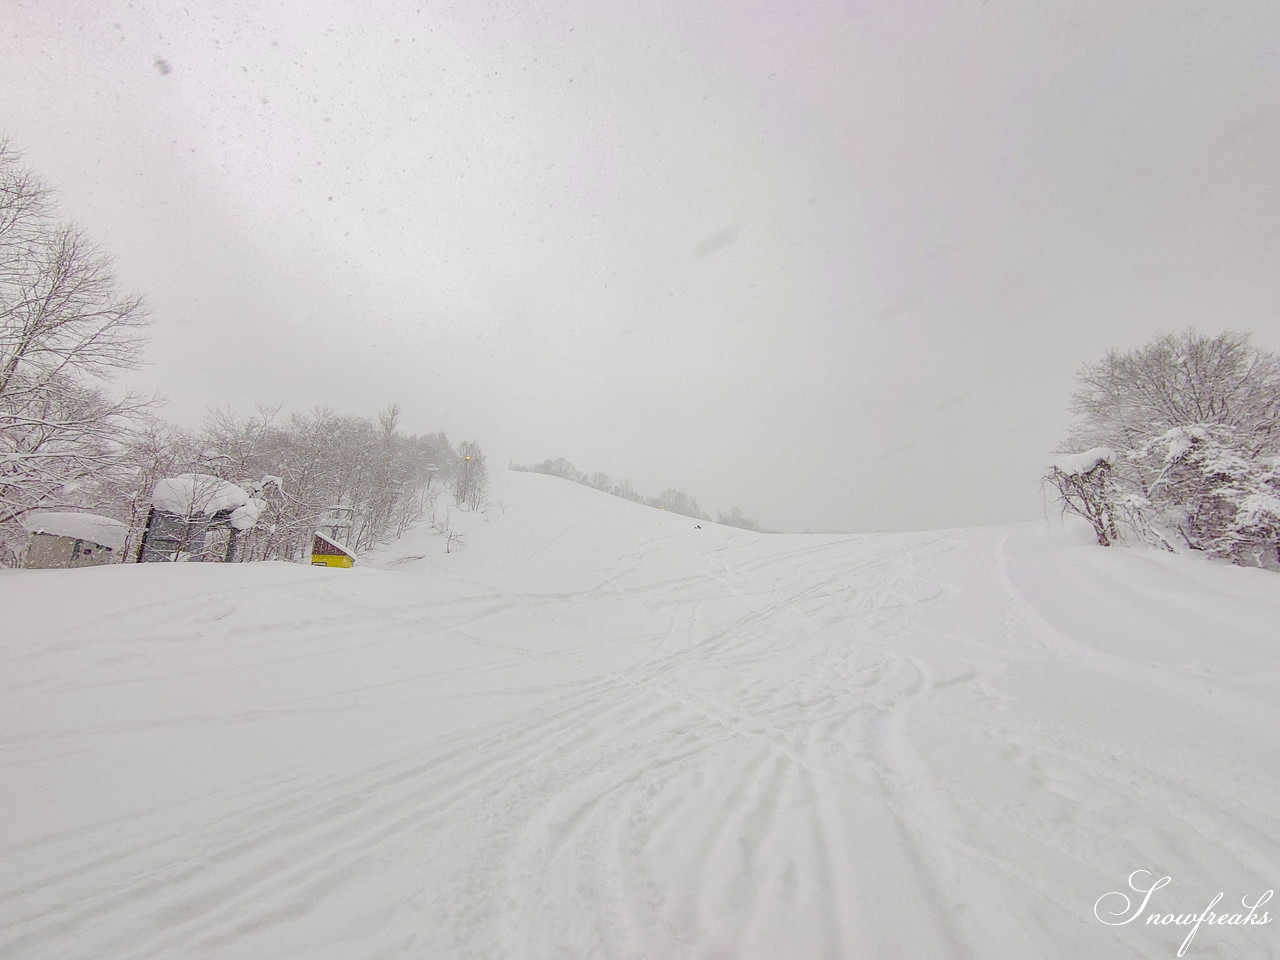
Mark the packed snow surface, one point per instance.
(79, 526)
(597, 732)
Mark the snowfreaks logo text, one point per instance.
(1116, 908)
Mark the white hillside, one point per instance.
(597, 732)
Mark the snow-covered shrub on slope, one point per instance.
(1184, 448)
(1084, 485)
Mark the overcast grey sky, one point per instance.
(835, 263)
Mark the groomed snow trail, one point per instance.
(598, 732)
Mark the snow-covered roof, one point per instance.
(193, 494)
(338, 549)
(79, 526)
(1079, 464)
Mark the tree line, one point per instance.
(375, 478)
(68, 441)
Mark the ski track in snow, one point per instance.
(723, 745)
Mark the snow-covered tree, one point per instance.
(65, 330)
(677, 501)
(1203, 488)
(471, 477)
(1176, 380)
(736, 518)
(233, 446)
(152, 452)
(1183, 439)
(559, 467)
(1085, 488)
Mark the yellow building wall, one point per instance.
(326, 560)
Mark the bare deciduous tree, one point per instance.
(1084, 486)
(1179, 379)
(65, 329)
(736, 518)
(471, 479)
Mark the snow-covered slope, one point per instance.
(596, 731)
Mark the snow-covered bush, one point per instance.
(1084, 486)
(471, 476)
(1183, 450)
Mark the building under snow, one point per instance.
(195, 516)
(67, 539)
